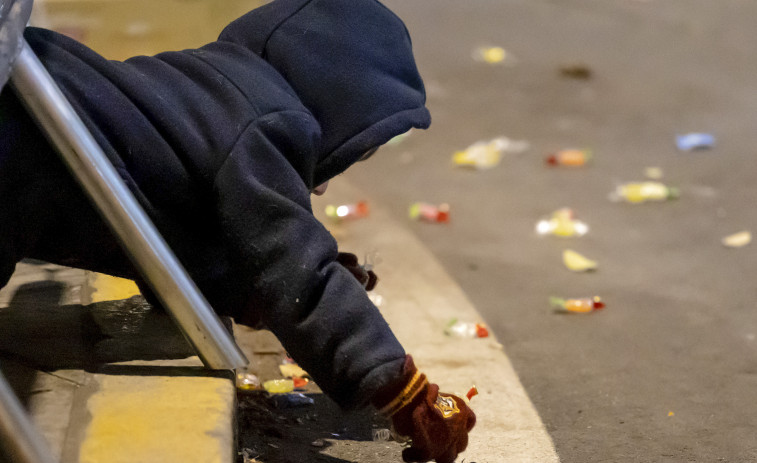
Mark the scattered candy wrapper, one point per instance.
(247, 381)
(578, 263)
(279, 386)
(387, 435)
(639, 192)
(487, 154)
(695, 141)
(460, 329)
(248, 456)
(371, 260)
(377, 299)
(299, 382)
(738, 240)
(381, 435)
(491, 55)
(472, 392)
(429, 213)
(289, 370)
(570, 158)
(348, 211)
(291, 400)
(562, 223)
(580, 305)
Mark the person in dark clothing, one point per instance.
(222, 146)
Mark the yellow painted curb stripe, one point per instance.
(110, 288)
(159, 420)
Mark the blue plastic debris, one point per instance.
(291, 400)
(695, 141)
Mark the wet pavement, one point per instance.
(667, 371)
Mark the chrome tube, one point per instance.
(141, 240)
(14, 14)
(21, 441)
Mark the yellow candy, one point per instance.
(292, 369)
(247, 381)
(492, 55)
(279, 386)
(480, 155)
(576, 262)
(645, 191)
(738, 240)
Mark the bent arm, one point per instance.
(287, 260)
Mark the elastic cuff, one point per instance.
(404, 398)
(401, 393)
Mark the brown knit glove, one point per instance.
(437, 423)
(366, 278)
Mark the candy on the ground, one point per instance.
(562, 223)
(569, 158)
(639, 192)
(348, 211)
(429, 213)
(279, 386)
(579, 305)
(738, 240)
(487, 154)
(291, 400)
(491, 55)
(289, 370)
(299, 382)
(247, 381)
(467, 330)
(377, 299)
(695, 141)
(576, 262)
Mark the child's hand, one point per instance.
(437, 424)
(366, 278)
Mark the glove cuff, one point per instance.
(398, 396)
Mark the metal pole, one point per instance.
(149, 252)
(21, 440)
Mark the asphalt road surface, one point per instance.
(667, 372)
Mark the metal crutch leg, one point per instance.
(105, 188)
(19, 437)
(122, 212)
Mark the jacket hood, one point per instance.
(350, 63)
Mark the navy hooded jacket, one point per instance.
(221, 145)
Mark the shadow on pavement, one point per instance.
(40, 334)
(320, 432)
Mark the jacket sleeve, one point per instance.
(286, 260)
